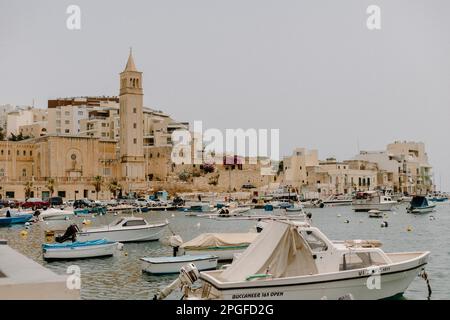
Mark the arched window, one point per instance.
(137, 83)
(24, 172)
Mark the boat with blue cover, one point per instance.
(15, 219)
(167, 265)
(80, 249)
(420, 204)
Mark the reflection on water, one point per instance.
(120, 277)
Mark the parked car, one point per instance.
(141, 202)
(83, 203)
(35, 203)
(56, 201)
(4, 203)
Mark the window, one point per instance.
(67, 122)
(315, 243)
(134, 140)
(2, 152)
(18, 152)
(10, 195)
(24, 172)
(24, 153)
(133, 223)
(134, 110)
(2, 172)
(62, 194)
(358, 260)
(67, 113)
(80, 113)
(134, 125)
(67, 131)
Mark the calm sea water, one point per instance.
(120, 277)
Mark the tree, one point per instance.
(19, 137)
(114, 186)
(51, 186)
(184, 176)
(98, 181)
(27, 189)
(2, 134)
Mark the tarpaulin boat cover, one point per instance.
(280, 251)
(215, 240)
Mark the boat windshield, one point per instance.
(116, 222)
(315, 243)
(358, 260)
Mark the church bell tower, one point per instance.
(131, 123)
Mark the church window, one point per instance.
(17, 152)
(2, 172)
(2, 152)
(24, 153)
(134, 125)
(137, 83)
(24, 172)
(134, 110)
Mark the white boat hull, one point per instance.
(81, 252)
(386, 206)
(393, 281)
(174, 267)
(221, 254)
(148, 233)
(422, 210)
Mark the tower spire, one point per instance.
(130, 63)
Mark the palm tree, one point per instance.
(51, 186)
(27, 189)
(114, 186)
(98, 181)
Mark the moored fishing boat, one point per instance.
(292, 260)
(125, 229)
(15, 219)
(222, 245)
(338, 200)
(167, 265)
(420, 204)
(79, 249)
(372, 200)
(54, 214)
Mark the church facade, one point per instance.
(73, 163)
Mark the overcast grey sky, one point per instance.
(310, 68)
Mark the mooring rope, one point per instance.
(424, 276)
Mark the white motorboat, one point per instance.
(125, 229)
(55, 214)
(338, 200)
(222, 245)
(296, 207)
(420, 204)
(79, 250)
(372, 200)
(167, 265)
(294, 261)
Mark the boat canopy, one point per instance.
(419, 202)
(279, 251)
(216, 240)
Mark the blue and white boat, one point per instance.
(167, 265)
(15, 219)
(80, 250)
(420, 204)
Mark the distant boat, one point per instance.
(338, 200)
(168, 265)
(54, 214)
(79, 250)
(372, 200)
(222, 245)
(420, 204)
(375, 214)
(199, 208)
(125, 229)
(295, 208)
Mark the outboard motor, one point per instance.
(36, 213)
(175, 242)
(70, 234)
(188, 275)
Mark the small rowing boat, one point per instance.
(167, 265)
(79, 249)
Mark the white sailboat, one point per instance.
(292, 260)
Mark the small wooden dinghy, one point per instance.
(166, 265)
(80, 250)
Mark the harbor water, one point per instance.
(120, 276)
